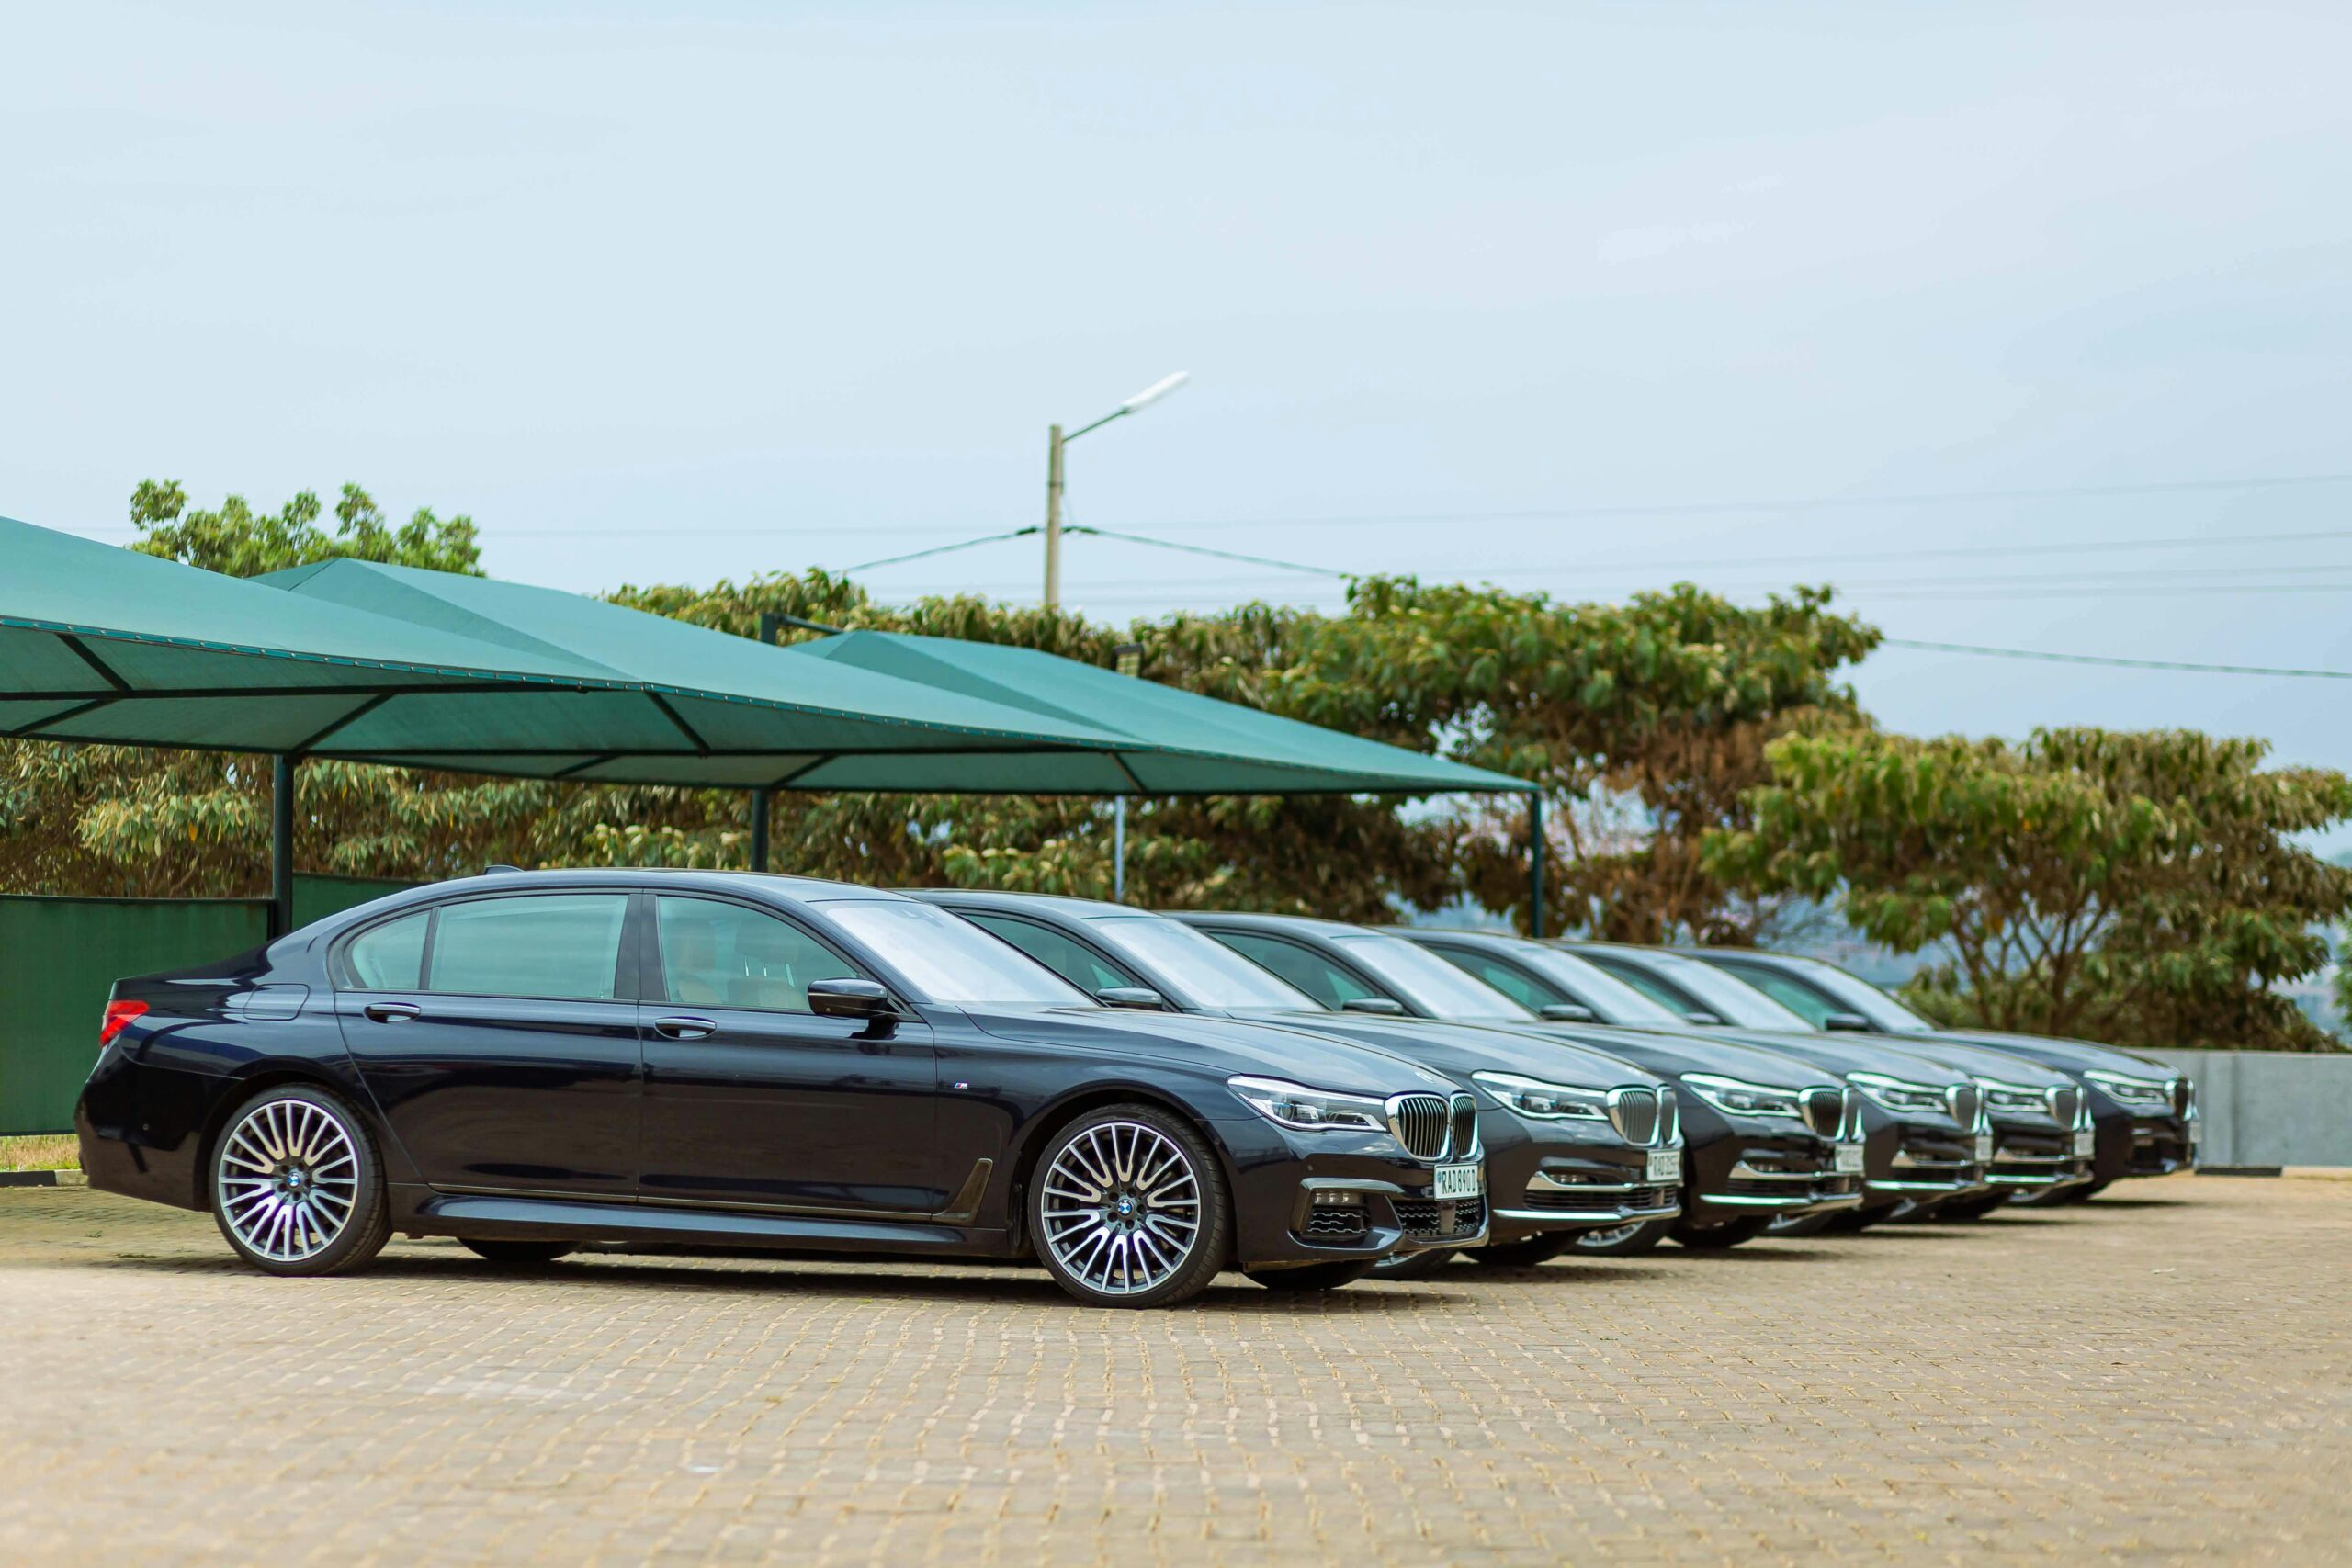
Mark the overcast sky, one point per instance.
(763, 287)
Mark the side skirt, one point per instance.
(421, 1210)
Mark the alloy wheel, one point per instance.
(1122, 1208)
(288, 1180)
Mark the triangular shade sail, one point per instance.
(1176, 742)
(703, 707)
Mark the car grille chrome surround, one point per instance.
(1634, 1113)
(1824, 1109)
(2184, 1098)
(2065, 1105)
(1669, 1119)
(1422, 1123)
(1966, 1103)
(1465, 1143)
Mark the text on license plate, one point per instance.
(1458, 1181)
(1983, 1147)
(1849, 1159)
(2086, 1144)
(1664, 1164)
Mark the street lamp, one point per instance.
(1055, 442)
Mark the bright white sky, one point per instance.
(757, 286)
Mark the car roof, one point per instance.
(1311, 924)
(1035, 903)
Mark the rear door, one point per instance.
(499, 1038)
(753, 1101)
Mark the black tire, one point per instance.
(1716, 1237)
(1852, 1221)
(1311, 1276)
(1412, 1265)
(1621, 1241)
(286, 1162)
(1533, 1253)
(1790, 1227)
(517, 1253)
(1971, 1209)
(1098, 1144)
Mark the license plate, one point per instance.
(2086, 1144)
(1664, 1164)
(1850, 1159)
(1458, 1181)
(1984, 1148)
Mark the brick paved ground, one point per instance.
(2162, 1376)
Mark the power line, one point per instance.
(1205, 550)
(941, 549)
(2107, 659)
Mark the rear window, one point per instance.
(389, 957)
(553, 944)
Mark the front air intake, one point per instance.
(1634, 1112)
(1825, 1111)
(1421, 1123)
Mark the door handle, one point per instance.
(392, 1012)
(683, 1028)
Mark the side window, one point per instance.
(1648, 985)
(1309, 971)
(1508, 978)
(543, 945)
(724, 956)
(1073, 961)
(389, 957)
(1794, 995)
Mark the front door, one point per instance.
(754, 1102)
(498, 1036)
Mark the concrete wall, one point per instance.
(2265, 1107)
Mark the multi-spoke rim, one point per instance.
(289, 1180)
(1608, 1236)
(1120, 1208)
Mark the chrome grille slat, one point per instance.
(1634, 1113)
(1669, 1119)
(1825, 1111)
(1421, 1123)
(1464, 1142)
(1962, 1098)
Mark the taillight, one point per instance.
(118, 1014)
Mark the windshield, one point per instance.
(1206, 971)
(948, 960)
(1427, 981)
(1610, 999)
(1721, 995)
(1857, 995)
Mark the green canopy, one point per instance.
(1173, 742)
(701, 707)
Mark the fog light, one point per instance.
(1338, 1199)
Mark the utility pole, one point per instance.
(1055, 442)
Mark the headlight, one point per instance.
(1545, 1101)
(2013, 1099)
(1899, 1094)
(1733, 1097)
(1311, 1109)
(2140, 1094)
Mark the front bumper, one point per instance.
(1567, 1175)
(1746, 1170)
(1322, 1197)
(2035, 1157)
(1921, 1160)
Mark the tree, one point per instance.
(2135, 887)
(240, 542)
(1644, 722)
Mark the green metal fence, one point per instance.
(60, 956)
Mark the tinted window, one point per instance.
(1073, 961)
(947, 960)
(1328, 984)
(1798, 997)
(724, 956)
(1429, 982)
(1209, 974)
(1503, 977)
(550, 945)
(389, 957)
(1649, 985)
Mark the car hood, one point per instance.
(2070, 1055)
(1670, 1053)
(1843, 1054)
(1458, 1050)
(1218, 1046)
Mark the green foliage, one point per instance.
(2135, 887)
(240, 542)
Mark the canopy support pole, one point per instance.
(1536, 864)
(1118, 849)
(281, 844)
(764, 798)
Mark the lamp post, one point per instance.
(1055, 442)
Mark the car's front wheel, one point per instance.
(296, 1185)
(1412, 1265)
(1723, 1233)
(1628, 1240)
(1129, 1209)
(516, 1252)
(1529, 1254)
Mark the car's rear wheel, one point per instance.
(1129, 1209)
(1312, 1276)
(1628, 1240)
(296, 1185)
(517, 1252)
(1721, 1234)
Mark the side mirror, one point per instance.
(1380, 1005)
(1703, 1019)
(1143, 998)
(1847, 1023)
(1567, 1012)
(850, 998)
